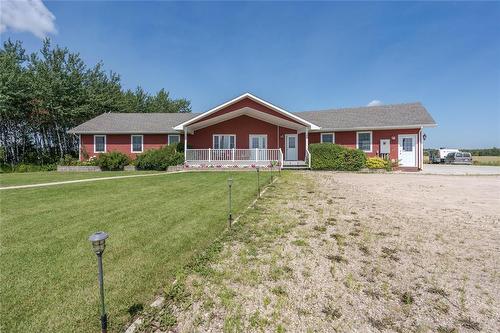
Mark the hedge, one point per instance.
(112, 161)
(159, 159)
(327, 156)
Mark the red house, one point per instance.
(248, 131)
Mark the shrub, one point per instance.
(33, 167)
(327, 156)
(378, 163)
(68, 160)
(159, 159)
(112, 161)
(180, 147)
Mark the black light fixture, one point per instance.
(258, 181)
(230, 213)
(98, 241)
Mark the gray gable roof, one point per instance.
(130, 123)
(370, 117)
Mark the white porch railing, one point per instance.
(238, 156)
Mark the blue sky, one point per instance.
(300, 56)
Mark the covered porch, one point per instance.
(246, 132)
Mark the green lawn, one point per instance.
(15, 178)
(48, 273)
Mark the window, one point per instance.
(224, 141)
(137, 143)
(99, 143)
(174, 139)
(407, 144)
(364, 141)
(258, 141)
(327, 138)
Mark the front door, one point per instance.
(407, 150)
(291, 143)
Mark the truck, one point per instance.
(440, 155)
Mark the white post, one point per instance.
(232, 151)
(256, 154)
(185, 143)
(307, 138)
(210, 154)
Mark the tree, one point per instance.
(44, 94)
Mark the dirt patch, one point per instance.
(327, 252)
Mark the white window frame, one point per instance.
(105, 143)
(250, 136)
(132, 143)
(333, 137)
(371, 140)
(177, 135)
(213, 138)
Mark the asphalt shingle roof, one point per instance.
(390, 116)
(130, 123)
(393, 115)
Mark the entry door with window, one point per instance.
(291, 142)
(407, 150)
(258, 141)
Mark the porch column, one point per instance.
(307, 138)
(185, 143)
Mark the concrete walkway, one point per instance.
(447, 169)
(84, 180)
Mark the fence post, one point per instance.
(233, 154)
(256, 154)
(210, 154)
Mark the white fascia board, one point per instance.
(255, 98)
(326, 129)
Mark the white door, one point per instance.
(291, 142)
(259, 141)
(407, 150)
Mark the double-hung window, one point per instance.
(99, 143)
(364, 141)
(258, 141)
(137, 143)
(174, 139)
(327, 138)
(224, 141)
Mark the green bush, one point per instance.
(33, 167)
(377, 163)
(112, 161)
(180, 147)
(159, 159)
(327, 156)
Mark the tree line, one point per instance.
(45, 93)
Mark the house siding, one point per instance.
(122, 143)
(348, 139)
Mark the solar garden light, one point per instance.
(258, 181)
(230, 215)
(98, 240)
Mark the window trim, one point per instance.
(105, 143)
(321, 137)
(371, 140)
(214, 135)
(250, 136)
(132, 143)
(169, 135)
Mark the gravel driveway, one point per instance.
(345, 252)
(445, 169)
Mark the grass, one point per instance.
(486, 160)
(479, 160)
(48, 273)
(16, 178)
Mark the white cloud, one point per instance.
(375, 102)
(26, 15)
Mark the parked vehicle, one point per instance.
(441, 154)
(458, 158)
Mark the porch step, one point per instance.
(295, 167)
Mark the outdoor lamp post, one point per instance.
(258, 181)
(230, 215)
(98, 241)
